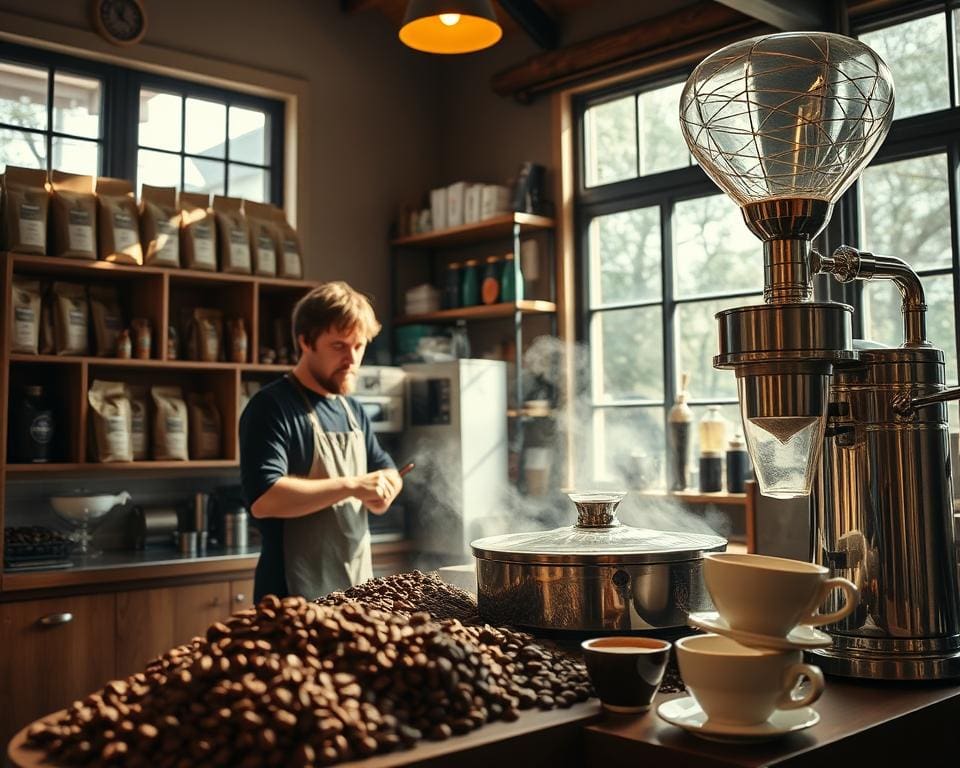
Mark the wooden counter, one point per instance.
(883, 723)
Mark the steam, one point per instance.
(504, 508)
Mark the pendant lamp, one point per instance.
(450, 26)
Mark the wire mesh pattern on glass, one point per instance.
(797, 118)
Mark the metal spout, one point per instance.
(597, 509)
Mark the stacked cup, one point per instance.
(744, 677)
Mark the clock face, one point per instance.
(120, 21)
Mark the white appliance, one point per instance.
(457, 435)
(380, 392)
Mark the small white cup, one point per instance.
(737, 685)
(772, 595)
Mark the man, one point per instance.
(309, 460)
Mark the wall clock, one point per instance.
(121, 22)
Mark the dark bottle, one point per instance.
(470, 284)
(738, 464)
(711, 472)
(680, 419)
(31, 439)
(450, 298)
(490, 287)
(511, 288)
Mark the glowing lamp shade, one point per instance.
(450, 26)
(795, 115)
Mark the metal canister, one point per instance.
(235, 528)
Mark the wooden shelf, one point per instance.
(489, 229)
(695, 497)
(531, 413)
(132, 363)
(117, 466)
(482, 312)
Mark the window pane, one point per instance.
(23, 95)
(76, 105)
(28, 150)
(905, 210)
(627, 351)
(158, 169)
(714, 250)
(610, 141)
(661, 142)
(882, 321)
(248, 135)
(204, 176)
(696, 344)
(625, 257)
(76, 156)
(160, 120)
(629, 446)
(206, 128)
(916, 52)
(249, 183)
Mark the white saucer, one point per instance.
(801, 636)
(686, 713)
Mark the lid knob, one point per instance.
(597, 509)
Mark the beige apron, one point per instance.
(329, 550)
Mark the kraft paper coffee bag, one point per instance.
(107, 319)
(73, 216)
(160, 226)
(205, 426)
(118, 222)
(110, 421)
(265, 237)
(71, 319)
(289, 260)
(233, 234)
(170, 424)
(25, 316)
(26, 206)
(198, 232)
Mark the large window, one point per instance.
(662, 250)
(63, 113)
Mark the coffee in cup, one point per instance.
(772, 595)
(626, 671)
(737, 685)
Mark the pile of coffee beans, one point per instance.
(292, 683)
(410, 593)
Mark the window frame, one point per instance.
(120, 111)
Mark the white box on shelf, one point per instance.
(438, 208)
(494, 200)
(471, 203)
(455, 203)
(421, 299)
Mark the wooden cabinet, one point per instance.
(54, 651)
(241, 594)
(152, 621)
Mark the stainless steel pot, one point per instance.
(597, 575)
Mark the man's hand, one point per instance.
(377, 490)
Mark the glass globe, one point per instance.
(793, 115)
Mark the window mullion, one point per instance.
(48, 139)
(953, 163)
(667, 310)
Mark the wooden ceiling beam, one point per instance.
(785, 15)
(532, 19)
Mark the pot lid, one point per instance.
(598, 538)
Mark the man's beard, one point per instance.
(336, 385)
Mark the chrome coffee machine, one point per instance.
(784, 124)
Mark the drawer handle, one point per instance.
(240, 598)
(215, 603)
(56, 619)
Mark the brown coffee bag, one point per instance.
(107, 319)
(26, 205)
(73, 215)
(289, 261)
(118, 222)
(265, 237)
(109, 421)
(207, 333)
(25, 312)
(71, 319)
(205, 426)
(139, 423)
(233, 234)
(160, 226)
(170, 424)
(198, 232)
(48, 336)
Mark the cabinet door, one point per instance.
(54, 652)
(152, 621)
(241, 594)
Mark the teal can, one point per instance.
(511, 289)
(470, 284)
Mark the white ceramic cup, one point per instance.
(737, 685)
(772, 595)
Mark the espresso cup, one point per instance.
(737, 685)
(626, 671)
(772, 595)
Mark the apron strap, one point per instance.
(311, 412)
(351, 417)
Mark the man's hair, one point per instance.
(333, 305)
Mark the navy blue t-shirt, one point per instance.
(276, 440)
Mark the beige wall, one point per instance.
(370, 105)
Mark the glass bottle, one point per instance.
(470, 284)
(679, 420)
(738, 464)
(32, 436)
(713, 442)
(511, 284)
(490, 287)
